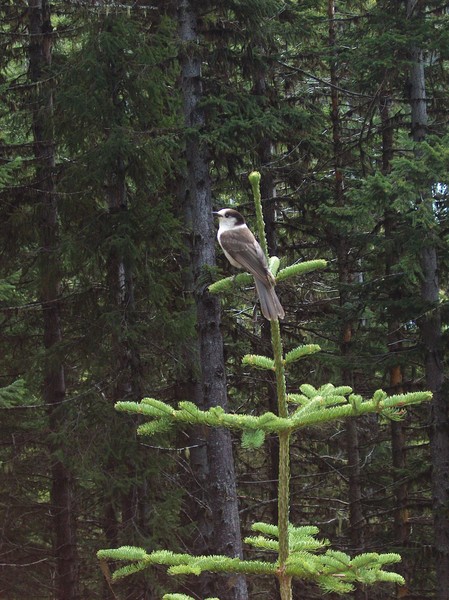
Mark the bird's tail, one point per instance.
(269, 302)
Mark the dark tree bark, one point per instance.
(220, 525)
(430, 328)
(54, 387)
(120, 513)
(125, 367)
(394, 341)
(356, 518)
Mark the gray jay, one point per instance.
(244, 252)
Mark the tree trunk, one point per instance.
(356, 519)
(394, 337)
(54, 388)
(122, 512)
(430, 328)
(221, 523)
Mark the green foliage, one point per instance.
(15, 394)
(327, 403)
(229, 283)
(299, 552)
(185, 563)
(300, 538)
(301, 352)
(253, 438)
(130, 553)
(260, 362)
(8, 288)
(301, 269)
(9, 171)
(241, 279)
(182, 597)
(117, 102)
(332, 570)
(410, 173)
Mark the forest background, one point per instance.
(122, 126)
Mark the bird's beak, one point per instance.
(214, 212)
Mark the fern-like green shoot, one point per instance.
(301, 352)
(253, 438)
(300, 269)
(261, 362)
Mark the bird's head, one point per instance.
(229, 218)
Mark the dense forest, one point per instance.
(124, 125)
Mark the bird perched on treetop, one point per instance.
(244, 252)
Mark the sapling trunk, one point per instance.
(284, 452)
(284, 437)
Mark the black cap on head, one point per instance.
(230, 212)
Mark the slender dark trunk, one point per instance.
(267, 183)
(356, 519)
(430, 328)
(54, 387)
(124, 352)
(394, 341)
(122, 512)
(399, 460)
(221, 523)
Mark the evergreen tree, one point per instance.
(124, 116)
(49, 289)
(296, 550)
(120, 156)
(430, 320)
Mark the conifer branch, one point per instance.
(314, 406)
(300, 269)
(301, 352)
(182, 597)
(229, 283)
(333, 571)
(261, 362)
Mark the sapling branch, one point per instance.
(284, 436)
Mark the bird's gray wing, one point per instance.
(254, 262)
(250, 256)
